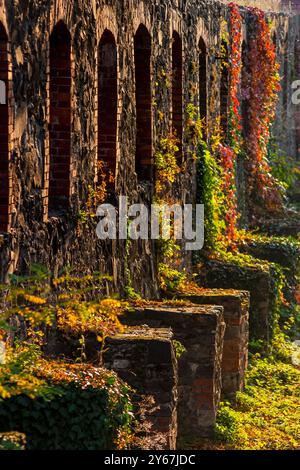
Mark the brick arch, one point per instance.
(61, 11)
(202, 33)
(4, 132)
(177, 90)
(202, 48)
(176, 23)
(60, 117)
(142, 60)
(224, 90)
(108, 103)
(106, 19)
(141, 17)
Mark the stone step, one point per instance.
(200, 329)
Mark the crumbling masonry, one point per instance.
(91, 87)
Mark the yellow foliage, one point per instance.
(166, 163)
(78, 317)
(34, 299)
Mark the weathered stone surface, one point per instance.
(146, 360)
(56, 240)
(200, 330)
(236, 318)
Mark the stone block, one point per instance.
(145, 359)
(236, 317)
(258, 280)
(200, 330)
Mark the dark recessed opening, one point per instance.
(177, 91)
(203, 85)
(142, 57)
(60, 118)
(107, 105)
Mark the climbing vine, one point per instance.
(96, 195)
(229, 153)
(230, 145)
(262, 85)
(166, 171)
(217, 160)
(209, 181)
(166, 165)
(235, 78)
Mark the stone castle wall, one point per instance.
(60, 236)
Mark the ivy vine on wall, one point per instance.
(265, 193)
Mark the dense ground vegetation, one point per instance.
(267, 414)
(44, 398)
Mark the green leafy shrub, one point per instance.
(166, 163)
(227, 427)
(59, 405)
(179, 348)
(170, 279)
(89, 408)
